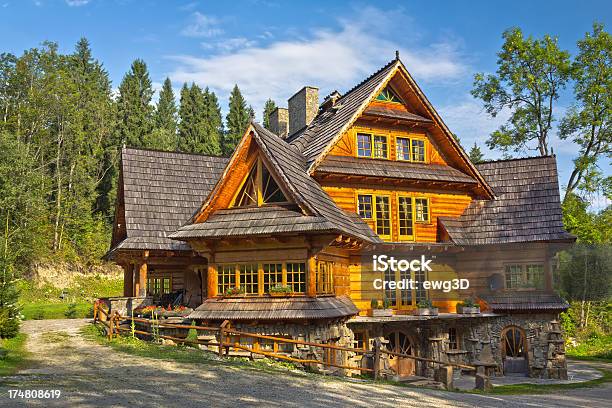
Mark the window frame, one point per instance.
(457, 340)
(409, 140)
(401, 237)
(419, 139)
(390, 219)
(371, 217)
(428, 212)
(257, 169)
(372, 135)
(523, 283)
(236, 280)
(324, 286)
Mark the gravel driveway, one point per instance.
(91, 375)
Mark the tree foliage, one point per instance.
(135, 112)
(530, 74)
(237, 121)
(201, 125)
(588, 123)
(475, 154)
(269, 107)
(164, 136)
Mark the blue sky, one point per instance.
(272, 48)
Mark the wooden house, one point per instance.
(279, 238)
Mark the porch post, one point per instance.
(211, 278)
(311, 287)
(141, 283)
(128, 279)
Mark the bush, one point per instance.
(425, 304)
(9, 323)
(71, 311)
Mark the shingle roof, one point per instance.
(381, 111)
(527, 207)
(392, 169)
(525, 302)
(160, 191)
(313, 140)
(252, 221)
(267, 308)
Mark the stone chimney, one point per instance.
(279, 122)
(303, 107)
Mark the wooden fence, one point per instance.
(230, 339)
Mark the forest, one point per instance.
(62, 126)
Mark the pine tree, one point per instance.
(475, 154)
(237, 120)
(164, 134)
(211, 124)
(135, 112)
(268, 109)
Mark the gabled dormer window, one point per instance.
(259, 188)
(388, 95)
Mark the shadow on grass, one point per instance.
(14, 355)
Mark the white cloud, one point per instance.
(229, 45)
(202, 26)
(77, 3)
(468, 120)
(329, 59)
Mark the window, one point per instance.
(418, 150)
(365, 206)
(364, 145)
(272, 275)
(159, 286)
(380, 147)
(403, 148)
(383, 216)
(388, 95)
(421, 210)
(530, 276)
(325, 277)
(249, 279)
(259, 188)
(226, 278)
(296, 277)
(257, 279)
(361, 340)
(406, 228)
(372, 146)
(453, 339)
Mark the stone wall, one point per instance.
(335, 332)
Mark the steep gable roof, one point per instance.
(527, 207)
(316, 141)
(289, 167)
(160, 190)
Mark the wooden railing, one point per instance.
(112, 322)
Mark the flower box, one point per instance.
(280, 294)
(468, 309)
(426, 311)
(382, 312)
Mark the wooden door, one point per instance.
(399, 342)
(514, 351)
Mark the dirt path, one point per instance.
(91, 375)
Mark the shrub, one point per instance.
(71, 311)
(425, 304)
(9, 323)
(234, 291)
(386, 303)
(469, 302)
(278, 288)
(374, 303)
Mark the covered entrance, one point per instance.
(514, 350)
(400, 342)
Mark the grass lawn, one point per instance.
(595, 349)
(53, 310)
(16, 356)
(547, 388)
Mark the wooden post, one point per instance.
(377, 347)
(311, 287)
(211, 279)
(141, 283)
(110, 327)
(222, 336)
(95, 311)
(128, 280)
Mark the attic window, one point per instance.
(259, 188)
(388, 95)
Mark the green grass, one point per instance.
(16, 356)
(53, 310)
(546, 388)
(184, 354)
(595, 348)
(45, 302)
